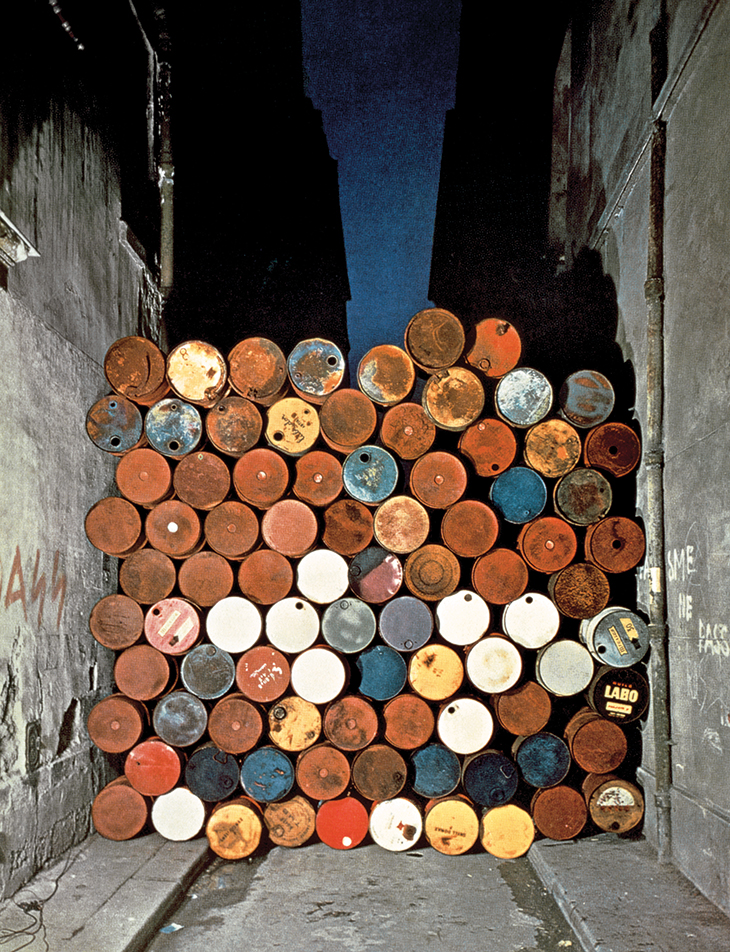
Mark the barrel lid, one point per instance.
(580, 590)
(616, 636)
(586, 398)
(379, 772)
(465, 725)
(292, 426)
(453, 399)
(375, 575)
(234, 624)
(292, 624)
(116, 621)
(114, 424)
(348, 625)
(114, 526)
(257, 369)
(406, 623)
(153, 767)
(409, 721)
(435, 672)
(290, 527)
(490, 778)
(119, 811)
(290, 822)
(180, 718)
(547, 544)
(348, 420)
(318, 478)
(493, 664)
(382, 672)
(469, 528)
(437, 771)
(262, 674)
(583, 496)
(434, 339)
(560, 813)
(231, 529)
(212, 774)
(265, 576)
(294, 723)
(342, 823)
(267, 774)
(523, 397)
(350, 723)
(208, 672)
(142, 672)
(234, 724)
(318, 675)
(202, 480)
(316, 367)
(543, 759)
(396, 825)
(407, 431)
(178, 815)
(323, 772)
(489, 445)
(197, 372)
(497, 347)
(524, 709)
(144, 476)
(322, 576)
(348, 527)
(234, 425)
(438, 479)
(174, 528)
(615, 544)
(386, 374)
(401, 524)
(135, 367)
(116, 723)
(552, 447)
(507, 831)
(451, 826)
(172, 625)
(619, 694)
(614, 447)
(519, 494)
(500, 576)
(432, 572)
(599, 745)
(370, 474)
(532, 620)
(462, 618)
(564, 667)
(616, 805)
(260, 477)
(173, 427)
(234, 829)
(205, 578)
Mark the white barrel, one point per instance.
(318, 675)
(462, 618)
(322, 576)
(564, 667)
(531, 620)
(178, 815)
(465, 725)
(292, 625)
(234, 624)
(493, 664)
(396, 825)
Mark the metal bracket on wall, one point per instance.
(32, 746)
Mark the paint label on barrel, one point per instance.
(622, 649)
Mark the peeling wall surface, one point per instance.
(634, 61)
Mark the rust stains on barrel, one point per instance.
(316, 368)
(469, 528)
(348, 527)
(265, 576)
(524, 709)
(552, 447)
(500, 576)
(348, 420)
(257, 370)
(234, 425)
(613, 447)
(205, 578)
(318, 478)
(409, 721)
(434, 339)
(202, 480)
(489, 445)
(586, 398)
(116, 621)
(135, 368)
(144, 477)
(234, 828)
(432, 572)
(497, 347)
(262, 674)
(597, 745)
(438, 479)
(386, 375)
(453, 399)
(580, 590)
(260, 477)
(547, 544)
(143, 673)
(114, 526)
(114, 424)
(119, 812)
(231, 529)
(173, 427)
(407, 431)
(350, 723)
(616, 805)
(289, 527)
(559, 812)
(379, 772)
(174, 528)
(583, 496)
(197, 372)
(401, 524)
(615, 544)
(235, 724)
(435, 672)
(323, 772)
(116, 723)
(292, 426)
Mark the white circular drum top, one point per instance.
(493, 664)
(462, 618)
(396, 825)
(178, 815)
(234, 624)
(564, 667)
(531, 620)
(322, 576)
(465, 725)
(292, 625)
(318, 675)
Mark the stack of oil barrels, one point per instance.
(386, 611)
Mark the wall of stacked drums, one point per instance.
(389, 611)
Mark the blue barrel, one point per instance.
(370, 474)
(490, 778)
(173, 427)
(406, 623)
(586, 398)
(348, 625)
(180, 719)
(437, 771)
(208, 672)
(316, 367)
(519, 494)
(114, 424)
(523, 397)
(383, 672)
(267, 774)
(543, 759)
(212, 774)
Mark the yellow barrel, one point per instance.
(451, 825)
(507, 831)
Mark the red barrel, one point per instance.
(438, 479)
(119, 812)
(342, 823)
(547, 544)
(172, 625)
(348, 420)
(497, 347)
(348, 527)
(260, 477)
(257, 370)
(144, 477)
(318, 478)
(524, 709)
(174, 528)
(613, 447)
(559, 812)
(500, 576)
(290, 527)
(407, 431)
(116, 621)
(265, 576)
(153, 767)
(262, 674)
(231, 529)
(490, 446)
(116, 723)
(323, 772)
(409, 721)
(143, 673)
(202, 480)
(114, 526)
(147, 576)
(469, 528)
(235, 724)
(615, 544)
(205, 578)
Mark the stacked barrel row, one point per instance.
(387, 610)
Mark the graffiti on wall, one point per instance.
(32, 588)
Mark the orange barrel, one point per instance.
(180, 718)
(401, 524)
(116, 723)
(370, 474)
(500, 576)
(319, 675)
(208, 672)
(147, 576)
(289, 527)
(432, 572)
(234, 624)
(294, 724)
(116, 621)
(114, 424)
(396, 825)
(178, 815)
(114, 526)
(379, 772)
(144, 477)
(547, 544)
(234, 828)
(489, 445)
(469, 528)
(119, 812)
(386, 375)
(435, 672)
(407, 431)
(382, 672)
(552, 447)
(316, 368)
(453, 399)
(409, 722)
(135, 367)
(211, 774)
(543, 759)
(493, 664)
(205, 578)
(257, 370)
(143, 673)
(267, 774)
(292, 426)
(173, 527)
(451, 825)
(559, 813)
(497, 347)
(507, 831)
(197, 372)
(172, 625)
(350, 723)
(405, 623)
(234, 425)
(524, 709)
(615, 544)
(490, 778)
(532, 620)
(231, 529)
(523, 397)
(342, 824)
(437, 771)
(322, 576)
(260, 477)
(596, 744)
(586, 398)
(235, 724)
(318, 478)
(613, 447)
(348, 420)
(438, 479)
(173, 427)
(323, 772)
(348, 527)
(580, 590)
(290, 823)
(434, 339)
(519, 494)
(462, 618)
(262, 674)
(616, 805)
(348, 625)
(564, 667)
(153, 767)
(375, 575)
(292, 625)
(619, 694)
(265, 576)
(583, 496)
(202, 480)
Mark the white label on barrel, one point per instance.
(615, 797)
(630, 629)
(164, 629)
(622, 694)
(614, 708)
(622, 649)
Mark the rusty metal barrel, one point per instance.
(260, 477)
(154, 767)
(290, 823)
(523, 397)
(265, 576)
(173, 427)
(262, 674)
(114, 424)
(432, 572)
(180, 718)
(174, 527)
(386, 375)
(116, 723)
(197, 372)
(205, 578)
(235, 724)
(401, 524)
(322, 772)
(116, 621)
(135, 368)
(524, 709)
(348, 527)
(114, 526)
(469, 528)
(547, 544)
(202, 480)
(208, 672)
(596, 744)
(586, 398)
(409, 721)
(438, 479)
(292, 426)
(348, 420)
(490, 446)
(350, 723)
(144, 477)
(434, 339)
(231, 529)
(613, 447)
(615, 544)
(379, 772)
(316, 369)
(119, 811)
(497, 347)
(290, 527)
(453, 399)
(234, 425)
(212, 774)
(318, 480)
(257, 370)
(407, 431)
(553, 448)
(500, 576)
(559, 812)
(583, 496)
(144, 673)
(614, 804)
(294, 724)
(580, 590)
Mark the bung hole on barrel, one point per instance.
(173, 445)
(115, 441)
(364, 457)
